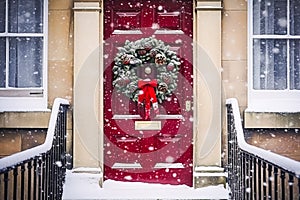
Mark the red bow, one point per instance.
(147, 94)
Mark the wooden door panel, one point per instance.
(127, 20)
(163, 155)
(169, 20)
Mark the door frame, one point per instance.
(207, 56)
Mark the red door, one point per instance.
(148, 92)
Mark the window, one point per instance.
(23, 55)
(274, 55)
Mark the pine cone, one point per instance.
(162, 87)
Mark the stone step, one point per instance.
(209, 175)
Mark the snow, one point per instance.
(85, 185)
(281, 161)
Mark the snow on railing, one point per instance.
(35, 151)
(38, 172)
(284, 162)
(255, 173)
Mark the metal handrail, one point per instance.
(255, 173)
(39, 172)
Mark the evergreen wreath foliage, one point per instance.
(146, 51)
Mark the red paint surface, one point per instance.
(173, 143)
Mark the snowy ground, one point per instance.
(84, 184)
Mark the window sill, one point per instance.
(23, 104)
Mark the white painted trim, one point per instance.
(169, 117)
(120, 32)
(268, 100)
(45, 56)
(169, 165)
(16, 104)
(273, 101)
(126, 139)
(169, 138)
(126, 166)
(126, 117)
(175, 32)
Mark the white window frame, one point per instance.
(28, 99)
(269, 100)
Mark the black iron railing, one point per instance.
(254, 173)
(38, 173)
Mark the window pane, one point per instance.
(2, 62)
(25, 16)
(25, 62)
(270, 17)
(2, 16)
(269, 64)
(295, 64)
(295, 17)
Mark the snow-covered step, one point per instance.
(209, 175)
(85, 185)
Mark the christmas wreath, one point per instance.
(140, 53)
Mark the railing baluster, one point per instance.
(264, 180)
(35, 177)
(243, 176)
(282, 177)
(247, 186)
(44, 175)
(259, 180)
(15, 185)
(5, 186)
(40, 178)
(291, 186)
(238, 172)
(270, 178)
(29, 181)
(254, 178)
(298, 188)
(250, 189)
(22, 181)
(275, 183)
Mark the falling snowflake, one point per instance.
(129, 178)
(170, 159)
(58, 163)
